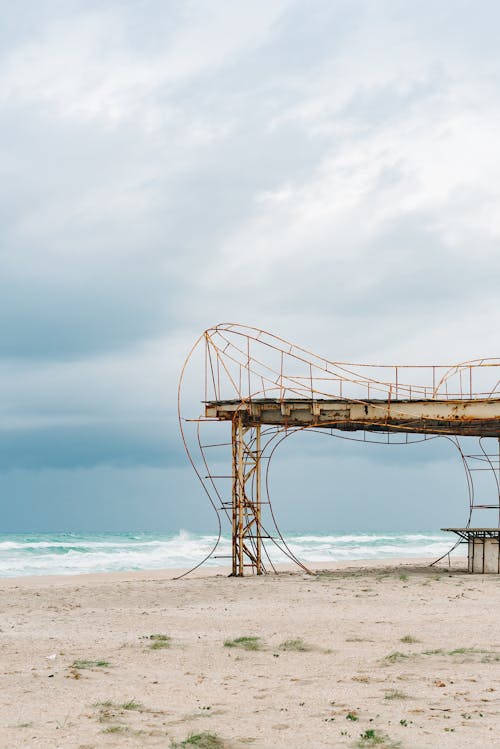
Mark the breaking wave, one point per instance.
(74, 553)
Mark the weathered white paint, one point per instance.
(476, 417)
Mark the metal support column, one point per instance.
(246, 498)
(498, 481)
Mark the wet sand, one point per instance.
(401, 651)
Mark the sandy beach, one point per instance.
(361, 654)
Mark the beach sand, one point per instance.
(399, 650)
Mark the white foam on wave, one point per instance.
(80, 553)
(366, 538)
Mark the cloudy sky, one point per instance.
(327, 170)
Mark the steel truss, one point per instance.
(244, 366)
(246, 499)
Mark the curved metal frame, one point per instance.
(244, 363)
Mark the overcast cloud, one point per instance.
(329, 171)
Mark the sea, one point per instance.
(75, 553)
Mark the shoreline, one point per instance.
(458, 563)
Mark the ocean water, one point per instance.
(73, 553)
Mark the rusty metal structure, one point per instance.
(269, 389)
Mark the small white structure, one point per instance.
(483, 548)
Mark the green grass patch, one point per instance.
(108, 710)
(395, 694)
(159, 642)
(487, 656)
(395, 657)
(371, 737)
(357, 639)
(246, 643)
(409, 639)
(90, 664)
(132, 705)
(478, 654)
(298, 644)
(469, 651)
(201, 741)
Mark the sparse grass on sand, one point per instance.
(297, 644)
(131, 705)
(159, 642)
(357, 639)
(246, 643)
(395, 694)
(486, 656)
(371, 737)
(108, 710)
(90, 664)
(201, 741)
(409, 639)
(395, 657)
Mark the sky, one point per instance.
(328, 171)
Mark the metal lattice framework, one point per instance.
(270, 388)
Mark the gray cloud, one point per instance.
(103, 498)
(328, 172)
(87, 446)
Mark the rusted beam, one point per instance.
(453, 417)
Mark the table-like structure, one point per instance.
(483, 548)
